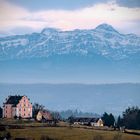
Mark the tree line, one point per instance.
(130, 118)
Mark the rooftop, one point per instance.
(14, 100)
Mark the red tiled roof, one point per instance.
(46, 115)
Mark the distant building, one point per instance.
(88, 121)
(44, 116)
(18, 106)
(96, 122)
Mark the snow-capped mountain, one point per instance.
(103, 41)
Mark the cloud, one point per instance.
(129, 3)
(38, 5)
(123, 18)
(12, 16)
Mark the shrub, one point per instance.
(2, 128)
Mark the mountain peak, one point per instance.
(106, 27)
(48, 31)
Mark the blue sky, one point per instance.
(26, 16)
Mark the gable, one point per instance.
(24, 102)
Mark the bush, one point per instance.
(5, 135)
(8, 136)
(15, 117)
(2, 128)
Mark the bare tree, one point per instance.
(36, 108)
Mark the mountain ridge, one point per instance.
(104, 40)
(85, 56)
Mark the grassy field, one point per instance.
(62, 132)
(67, 133)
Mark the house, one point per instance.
(82, 120)
(88, 121)
(18, 106)
(44, 116)
(96, 122)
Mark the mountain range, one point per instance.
(100, 55)
(104, 41)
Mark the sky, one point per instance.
(26, 16)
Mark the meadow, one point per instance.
(61, 131)
(68, 133)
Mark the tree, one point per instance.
(105, 119)
(1, 112)
(71, 119)
(138, 118)
(112, 120)
(36, 108)
(108, 119)
(131, 118)
(119, 122)
(56, 116)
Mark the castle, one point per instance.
(17, 106)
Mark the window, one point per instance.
(24, 109)
(24, 114)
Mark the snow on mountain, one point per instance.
(105, 27)
(104, 40)
(49, 31)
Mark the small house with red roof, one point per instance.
(44, 116)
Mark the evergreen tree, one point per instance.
(108, 119)
(119, 122)
(111, 120)
(1, 112)
(131, 118)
